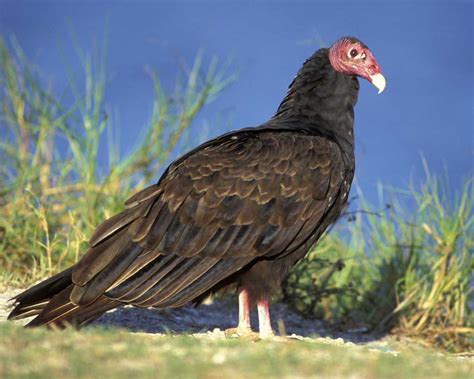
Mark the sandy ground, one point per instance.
(211, 319)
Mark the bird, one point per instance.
(233, 214)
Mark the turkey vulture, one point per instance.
(236, 212)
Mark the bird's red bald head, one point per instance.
(350, 56)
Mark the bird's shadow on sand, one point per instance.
(221, 315)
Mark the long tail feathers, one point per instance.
(50, 302)
(32, 301)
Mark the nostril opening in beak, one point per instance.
(374, 69)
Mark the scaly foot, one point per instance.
(266, 334)
(242, 333)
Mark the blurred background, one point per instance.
(425, 50)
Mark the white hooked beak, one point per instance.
(378, 81)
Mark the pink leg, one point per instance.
(265, 326)
(244, 311)
(244, 328)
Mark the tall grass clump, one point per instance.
(52, 190)
(408, 268)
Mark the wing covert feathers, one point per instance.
(215, 211)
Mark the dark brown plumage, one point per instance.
(238, 211)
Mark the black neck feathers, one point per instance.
(321, 97)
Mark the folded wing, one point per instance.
(246, 197)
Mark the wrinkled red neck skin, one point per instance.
(339, 62)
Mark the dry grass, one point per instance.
(53, 190)
(406, 269)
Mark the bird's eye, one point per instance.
(353, 53)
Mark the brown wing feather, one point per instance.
(210, 215)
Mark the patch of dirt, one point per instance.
(209, 320)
